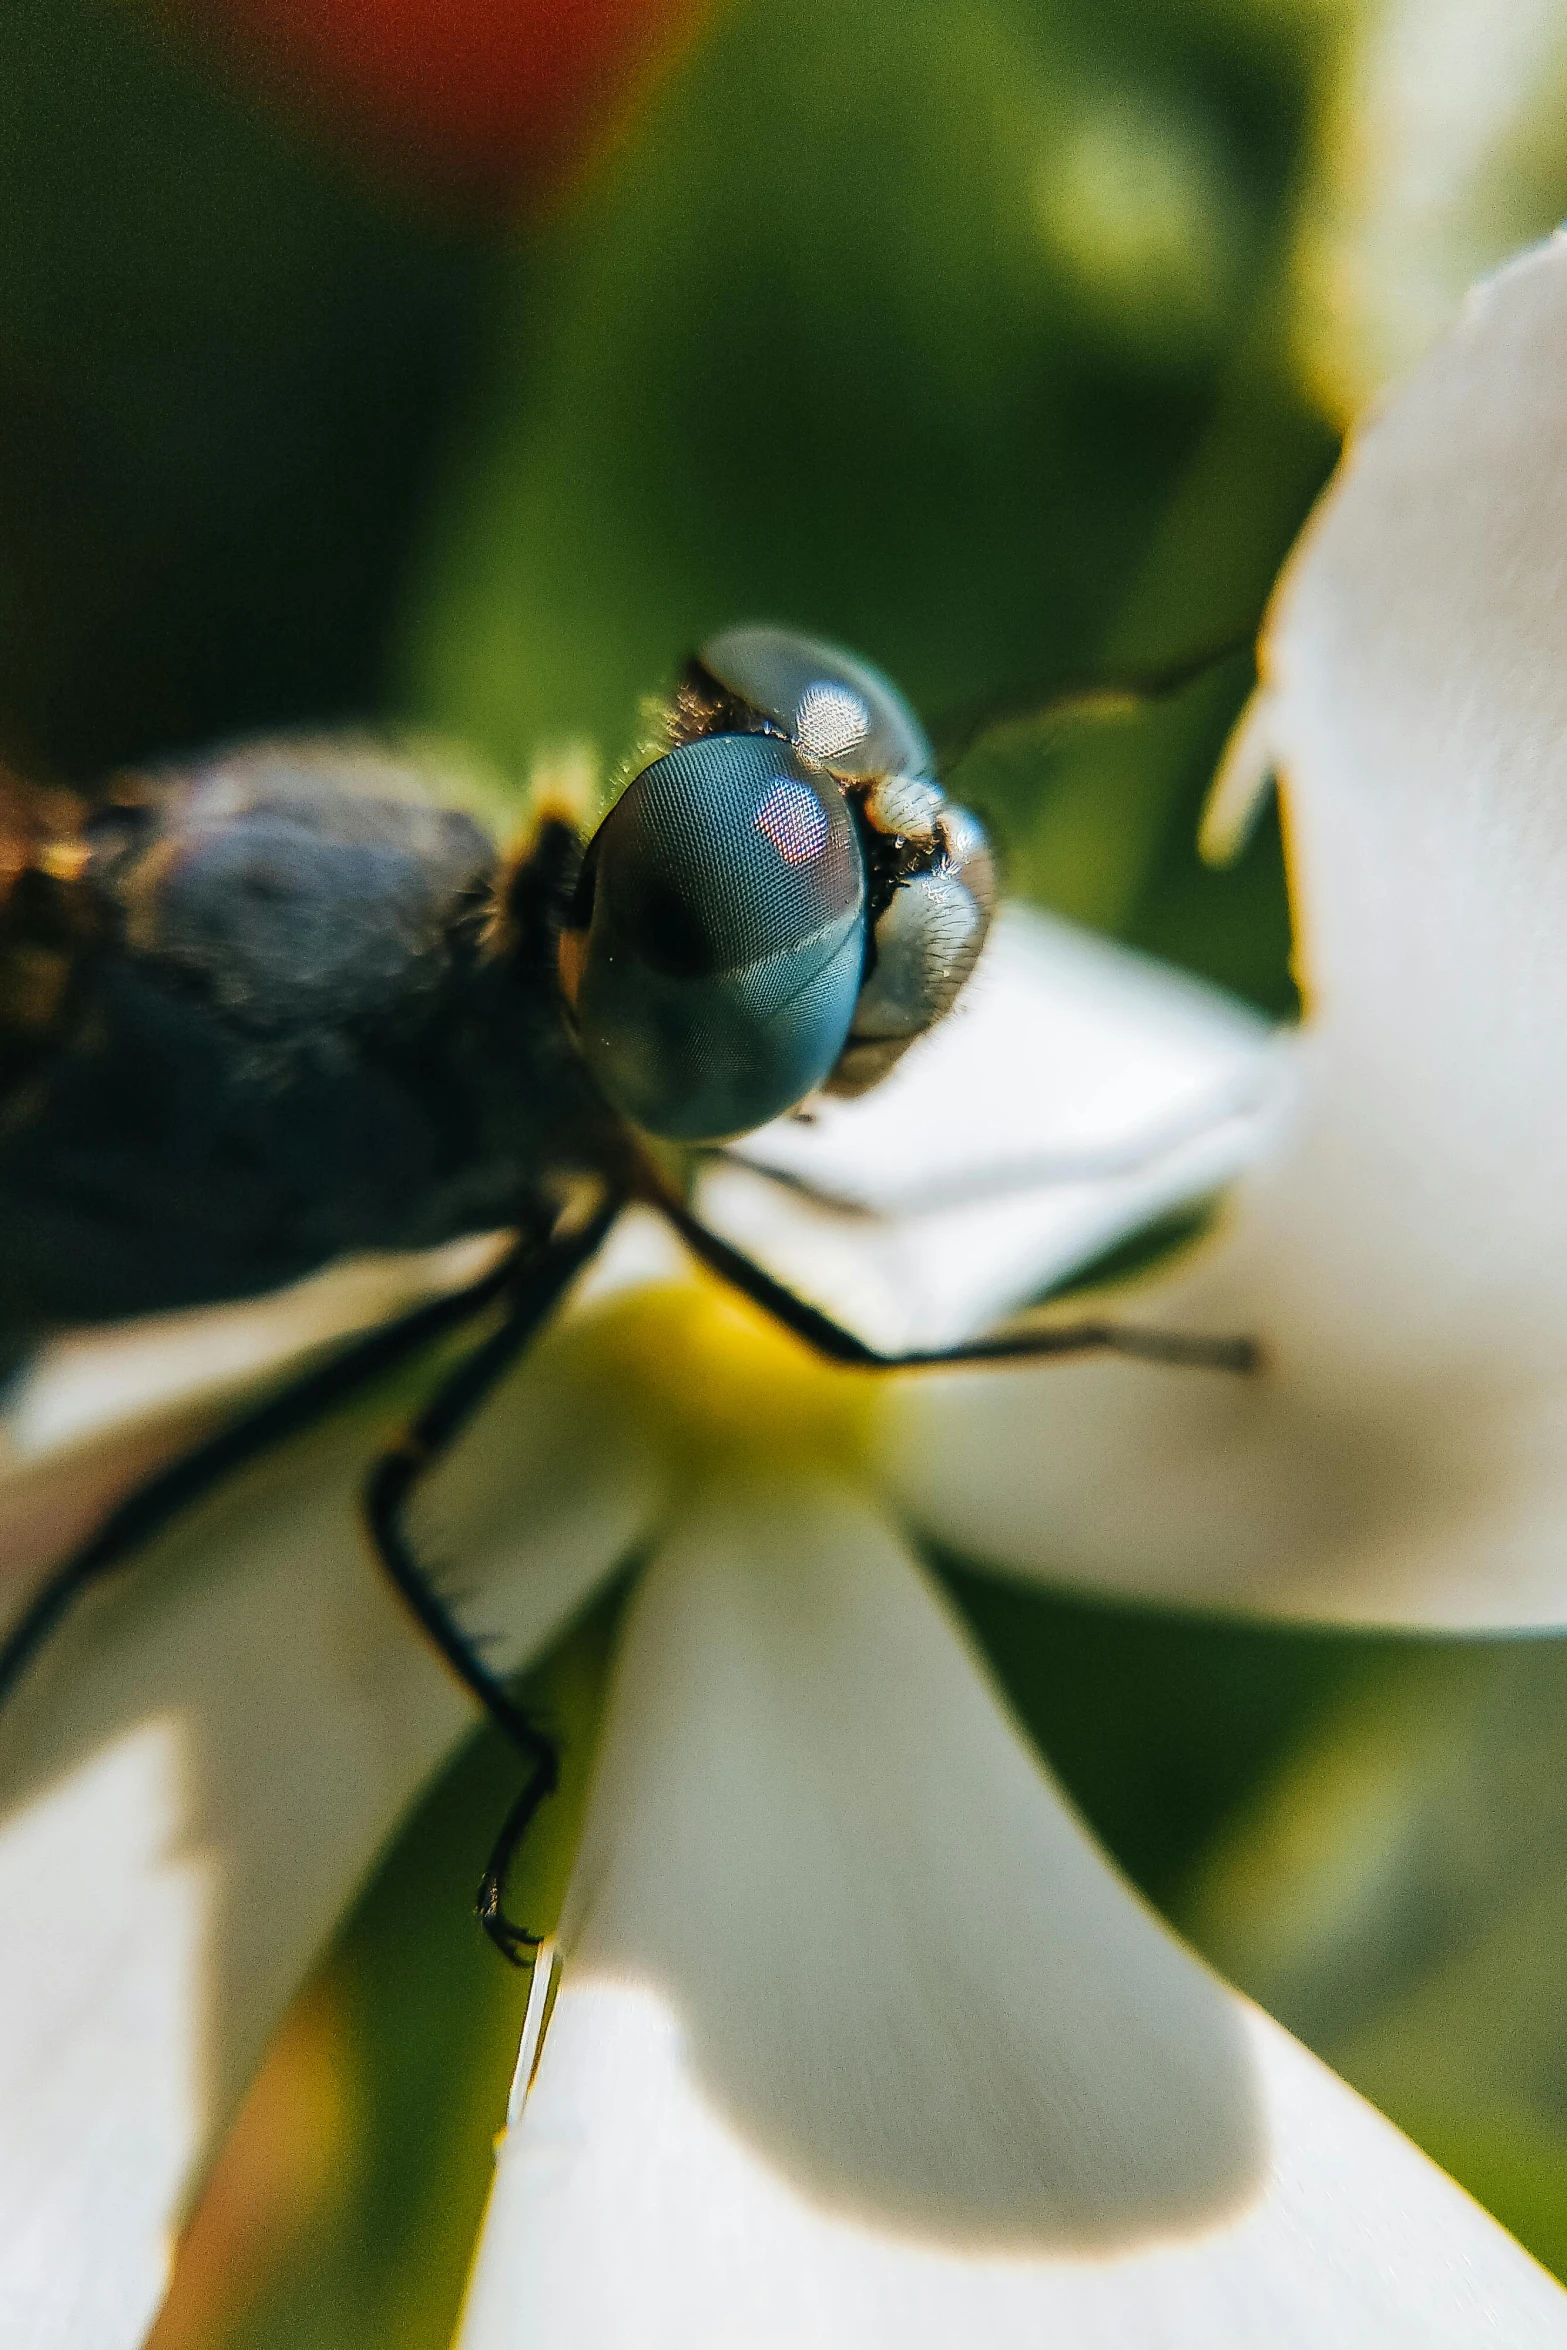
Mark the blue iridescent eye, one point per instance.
(726, 942)
(839, 712)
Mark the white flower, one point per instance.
(859, 2040)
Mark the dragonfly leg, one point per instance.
(536, 1289)
(1093, 1335)
(160, 1498)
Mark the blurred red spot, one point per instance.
(486, 100)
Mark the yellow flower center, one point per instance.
(718, 1384)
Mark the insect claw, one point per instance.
(514, 1942)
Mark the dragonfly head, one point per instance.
(780, 903)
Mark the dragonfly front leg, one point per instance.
(167, 1493)
(391, 1483)
(1096, 1334)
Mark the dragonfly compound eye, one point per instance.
(839, 713)
(726, 941)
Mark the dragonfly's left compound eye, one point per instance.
(722, 953)
(839, 712)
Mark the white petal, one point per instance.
(194, 1780)
(92, 1412)
(1241, 784)
(1404, 1456)
(861, 2045)
(1075, 1091)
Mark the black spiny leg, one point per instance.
(1194, 1351)
(168, 1492)
(536, 1290)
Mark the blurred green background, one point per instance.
(1008, 340)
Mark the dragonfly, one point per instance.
(286, 1004)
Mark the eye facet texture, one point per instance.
(727, 938)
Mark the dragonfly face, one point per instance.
(782, 902)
